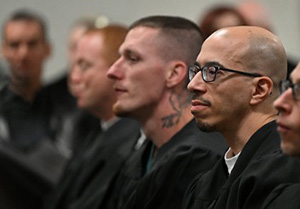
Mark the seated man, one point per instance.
(30, 163)
(234, 83)
(31, 115)
(69, 124)
(150, 80)
(287, 195)
(87, 178)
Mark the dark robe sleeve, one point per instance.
(165, 185)
(284, 196)
(204, 189)
(247, 191)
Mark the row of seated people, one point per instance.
(40, 125)
(149, 161)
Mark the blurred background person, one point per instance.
(30, 163)
(68, 123)
(256, 14)
(220, 16)
(248, 12)
(38, 124)
(87, 178)
(4, 72)
(78, 28)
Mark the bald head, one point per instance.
(255, 50)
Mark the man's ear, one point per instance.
(263, 89)
(177, 72)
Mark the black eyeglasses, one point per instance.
(209, 72)
(284, 85)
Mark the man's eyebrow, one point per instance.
(126, 51)
(211, 63)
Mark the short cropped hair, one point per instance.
(183, 38)
(27, 15)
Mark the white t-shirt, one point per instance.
(230, 162)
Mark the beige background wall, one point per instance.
(285, 16)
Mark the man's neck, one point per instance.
(161, 131)
(26, 90)
(237, 137)
(106, 124)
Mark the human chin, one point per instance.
(80, 103)
(120, 110)
(290, 149)
(290, 143)
(205, 126)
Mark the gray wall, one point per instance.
(60, 14)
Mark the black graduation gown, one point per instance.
(176, 163)
(285, 196)
(88, 176)
(68, 124)
(34, 145)
(260, 167)
(29, 161)
(26, 123)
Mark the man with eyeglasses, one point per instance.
(234, 83)
(287, 195)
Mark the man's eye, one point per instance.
(84, 66)
(211, 70)
(133, 58)
(33, 43)
(14, 45)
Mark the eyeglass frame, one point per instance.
(218, 67)
(295, 88)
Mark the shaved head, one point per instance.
(256, 50)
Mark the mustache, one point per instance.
(204, 101)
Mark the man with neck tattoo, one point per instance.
(150, 81)
(234, 84)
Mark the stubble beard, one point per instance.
(206, 127)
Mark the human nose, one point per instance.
(74, 79)
(75, 74)
(197, 84)
(23, 51)
(114, 71)
(284, 102)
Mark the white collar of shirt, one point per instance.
(230, 162)
(140, 140)
(105, 125)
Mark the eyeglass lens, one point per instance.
(208, 72)
(284, 85)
